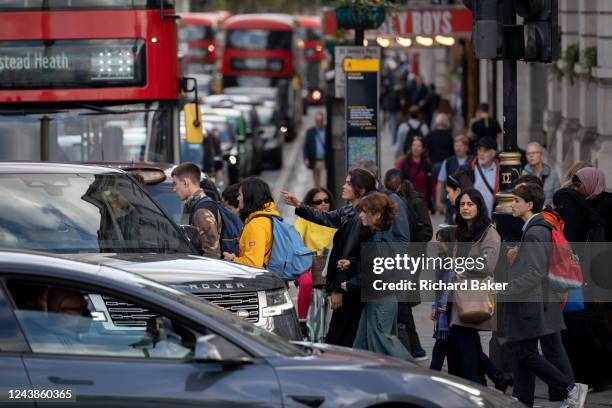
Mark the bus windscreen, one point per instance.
(259, 39)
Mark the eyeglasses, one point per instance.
(319, 202)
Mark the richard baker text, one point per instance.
(429, 285)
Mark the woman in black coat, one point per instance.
(346, 245)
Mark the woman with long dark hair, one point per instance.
(346, 305)
(378, 322)
(255, 205)
(317, 238)
(475, 237)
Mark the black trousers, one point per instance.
(439, 353)
(552, 367)
(345, 320)
(466, 358)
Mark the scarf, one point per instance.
(593, 180)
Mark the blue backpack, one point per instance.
(289, 257)
(231, 224)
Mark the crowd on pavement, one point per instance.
(439, 169)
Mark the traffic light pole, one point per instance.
(510, 158)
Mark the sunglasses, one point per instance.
(319, 202)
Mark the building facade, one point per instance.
(566, 106)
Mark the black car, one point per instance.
(54, 336)
(102, 215)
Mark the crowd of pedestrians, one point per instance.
(457, 175)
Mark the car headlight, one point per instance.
(283, 129)
(316, 95)
(277, 302)
(232, 160)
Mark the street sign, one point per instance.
(342, 53)
(362, 124)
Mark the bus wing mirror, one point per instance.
(193, 123)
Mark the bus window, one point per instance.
(259, 39)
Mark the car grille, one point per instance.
(124, 314)
(242, 304)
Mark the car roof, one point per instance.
(236, 98)
(48, 167)
(213, 117)
(27, 258)
(124, 165)
(223, 112)
(243, 90)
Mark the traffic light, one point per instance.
(536, 40)
(541, 29)
(487, 28)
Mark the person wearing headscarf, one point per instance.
(592, 185)
(588, 219)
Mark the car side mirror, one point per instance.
(205, 349)
(190, 232)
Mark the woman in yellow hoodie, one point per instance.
(255, 198)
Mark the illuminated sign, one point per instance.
(257, 64)
(65, 64)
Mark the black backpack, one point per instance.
(411, 134)
(417, 224)
(231, 225)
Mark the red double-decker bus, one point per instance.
(313, 58)
(89, 80)
(199, 40)
(263, 50)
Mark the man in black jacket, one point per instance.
(531, 313)
(314, 150)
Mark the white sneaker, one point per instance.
(576, 397)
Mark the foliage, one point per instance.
(571, 56)
(589, 60)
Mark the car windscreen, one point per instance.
(221, 127)
(82, 212)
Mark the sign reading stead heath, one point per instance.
(362, 109)
(71, 64)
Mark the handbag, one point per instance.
(474, 306)
(318, 267)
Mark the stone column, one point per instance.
(601, 150)
(552, 114)
(561, 153)
(531, 103)
(587, 118)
